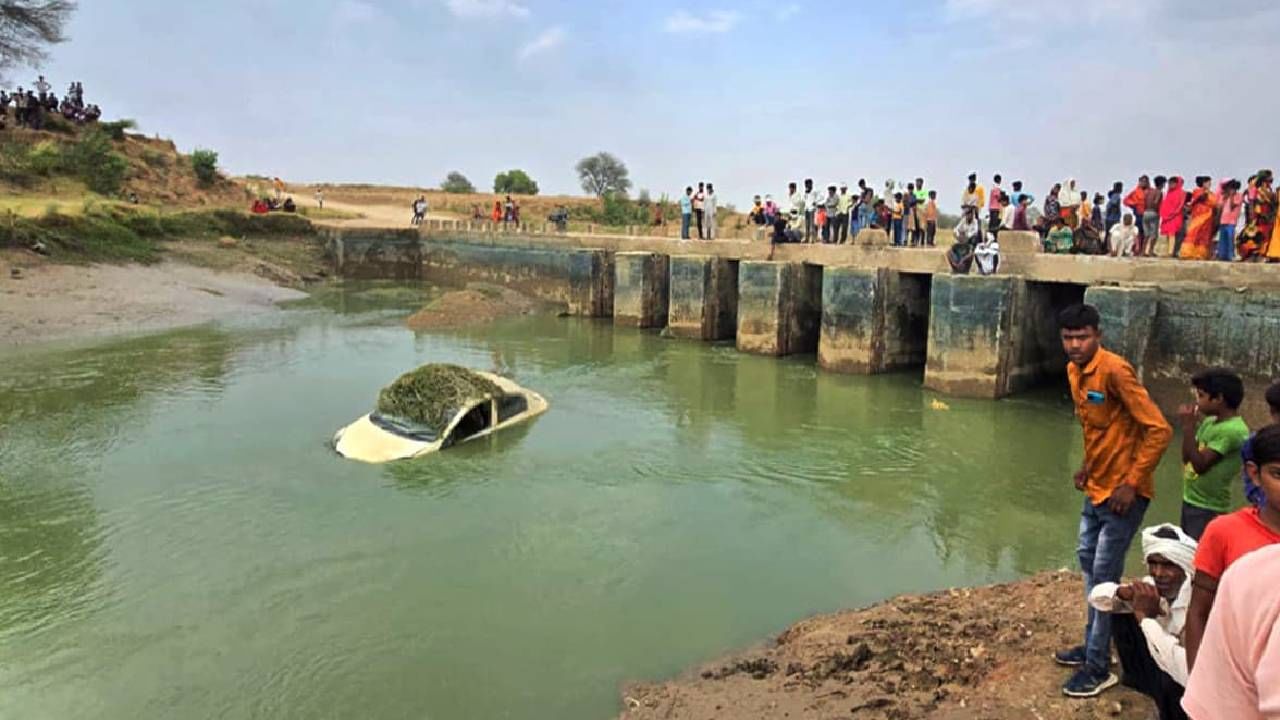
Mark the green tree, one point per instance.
(456, 182)
(28, 28)
(603, 174)
(516, 182)
(205, 165)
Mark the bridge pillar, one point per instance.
(704, 297)
(640, 289)
(591, 283)
(1128, 317)
(873, 320)
(779, 307)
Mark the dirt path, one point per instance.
(970, 654)
(46, 301)
(380, 216)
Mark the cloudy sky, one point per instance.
(747, 94)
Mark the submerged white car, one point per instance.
(433, 408)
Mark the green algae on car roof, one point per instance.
(433, 394)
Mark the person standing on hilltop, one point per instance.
(709, 208)
(320, 198)
(698, 207)
(1125, 436)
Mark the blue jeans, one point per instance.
(1227, 242)
(685, 219)
(1104, 540)
(897, 232)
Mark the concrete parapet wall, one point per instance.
(704, 297)
(779, 307)
(375, 254)
(640, 290)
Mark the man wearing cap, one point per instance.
(1147, 618)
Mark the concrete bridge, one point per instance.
(866, 307)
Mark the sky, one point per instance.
(748, 95)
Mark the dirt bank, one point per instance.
(972, 654)
(476, 304)
(47, 301)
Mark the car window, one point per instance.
(478, 419)
(510, 406)
(405, 428)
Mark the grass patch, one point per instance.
(315, 213)
(108, 232)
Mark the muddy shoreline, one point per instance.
(48, 302)
(963, 654)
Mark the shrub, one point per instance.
(115, 129)
(44, 158)
(205, 165)
(93, 161)
(58, 124)
(155, 159)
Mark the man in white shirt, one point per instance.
(709, 210)
(987, 255)
(1147, 618)
(42, 86)
(811, 200)
(1123, 237)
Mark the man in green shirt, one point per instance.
(1212, 434)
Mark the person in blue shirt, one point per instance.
(1252, 493)
(686, 212)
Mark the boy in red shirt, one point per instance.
(1230, 537)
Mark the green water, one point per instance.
(178, 541)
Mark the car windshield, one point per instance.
(405, 428)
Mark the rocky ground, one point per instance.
(969, 654)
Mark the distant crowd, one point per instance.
(32, 107)
(1160, 217)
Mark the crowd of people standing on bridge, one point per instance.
(1224, 220)
(32, 107)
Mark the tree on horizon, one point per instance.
(456, 182)
(603, 174)
(28, 28)
(515, 182)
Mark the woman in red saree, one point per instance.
(1198, 244)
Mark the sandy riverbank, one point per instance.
(967, 654)
(48, 302)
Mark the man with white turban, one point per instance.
(1147, 618)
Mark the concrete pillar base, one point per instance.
(591, 283)
(704, 297)
(640, 290)
(779, 307)
(873, 321)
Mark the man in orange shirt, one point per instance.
(1124, 437)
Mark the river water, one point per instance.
(178, 540)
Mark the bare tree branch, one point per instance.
(29, 27)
